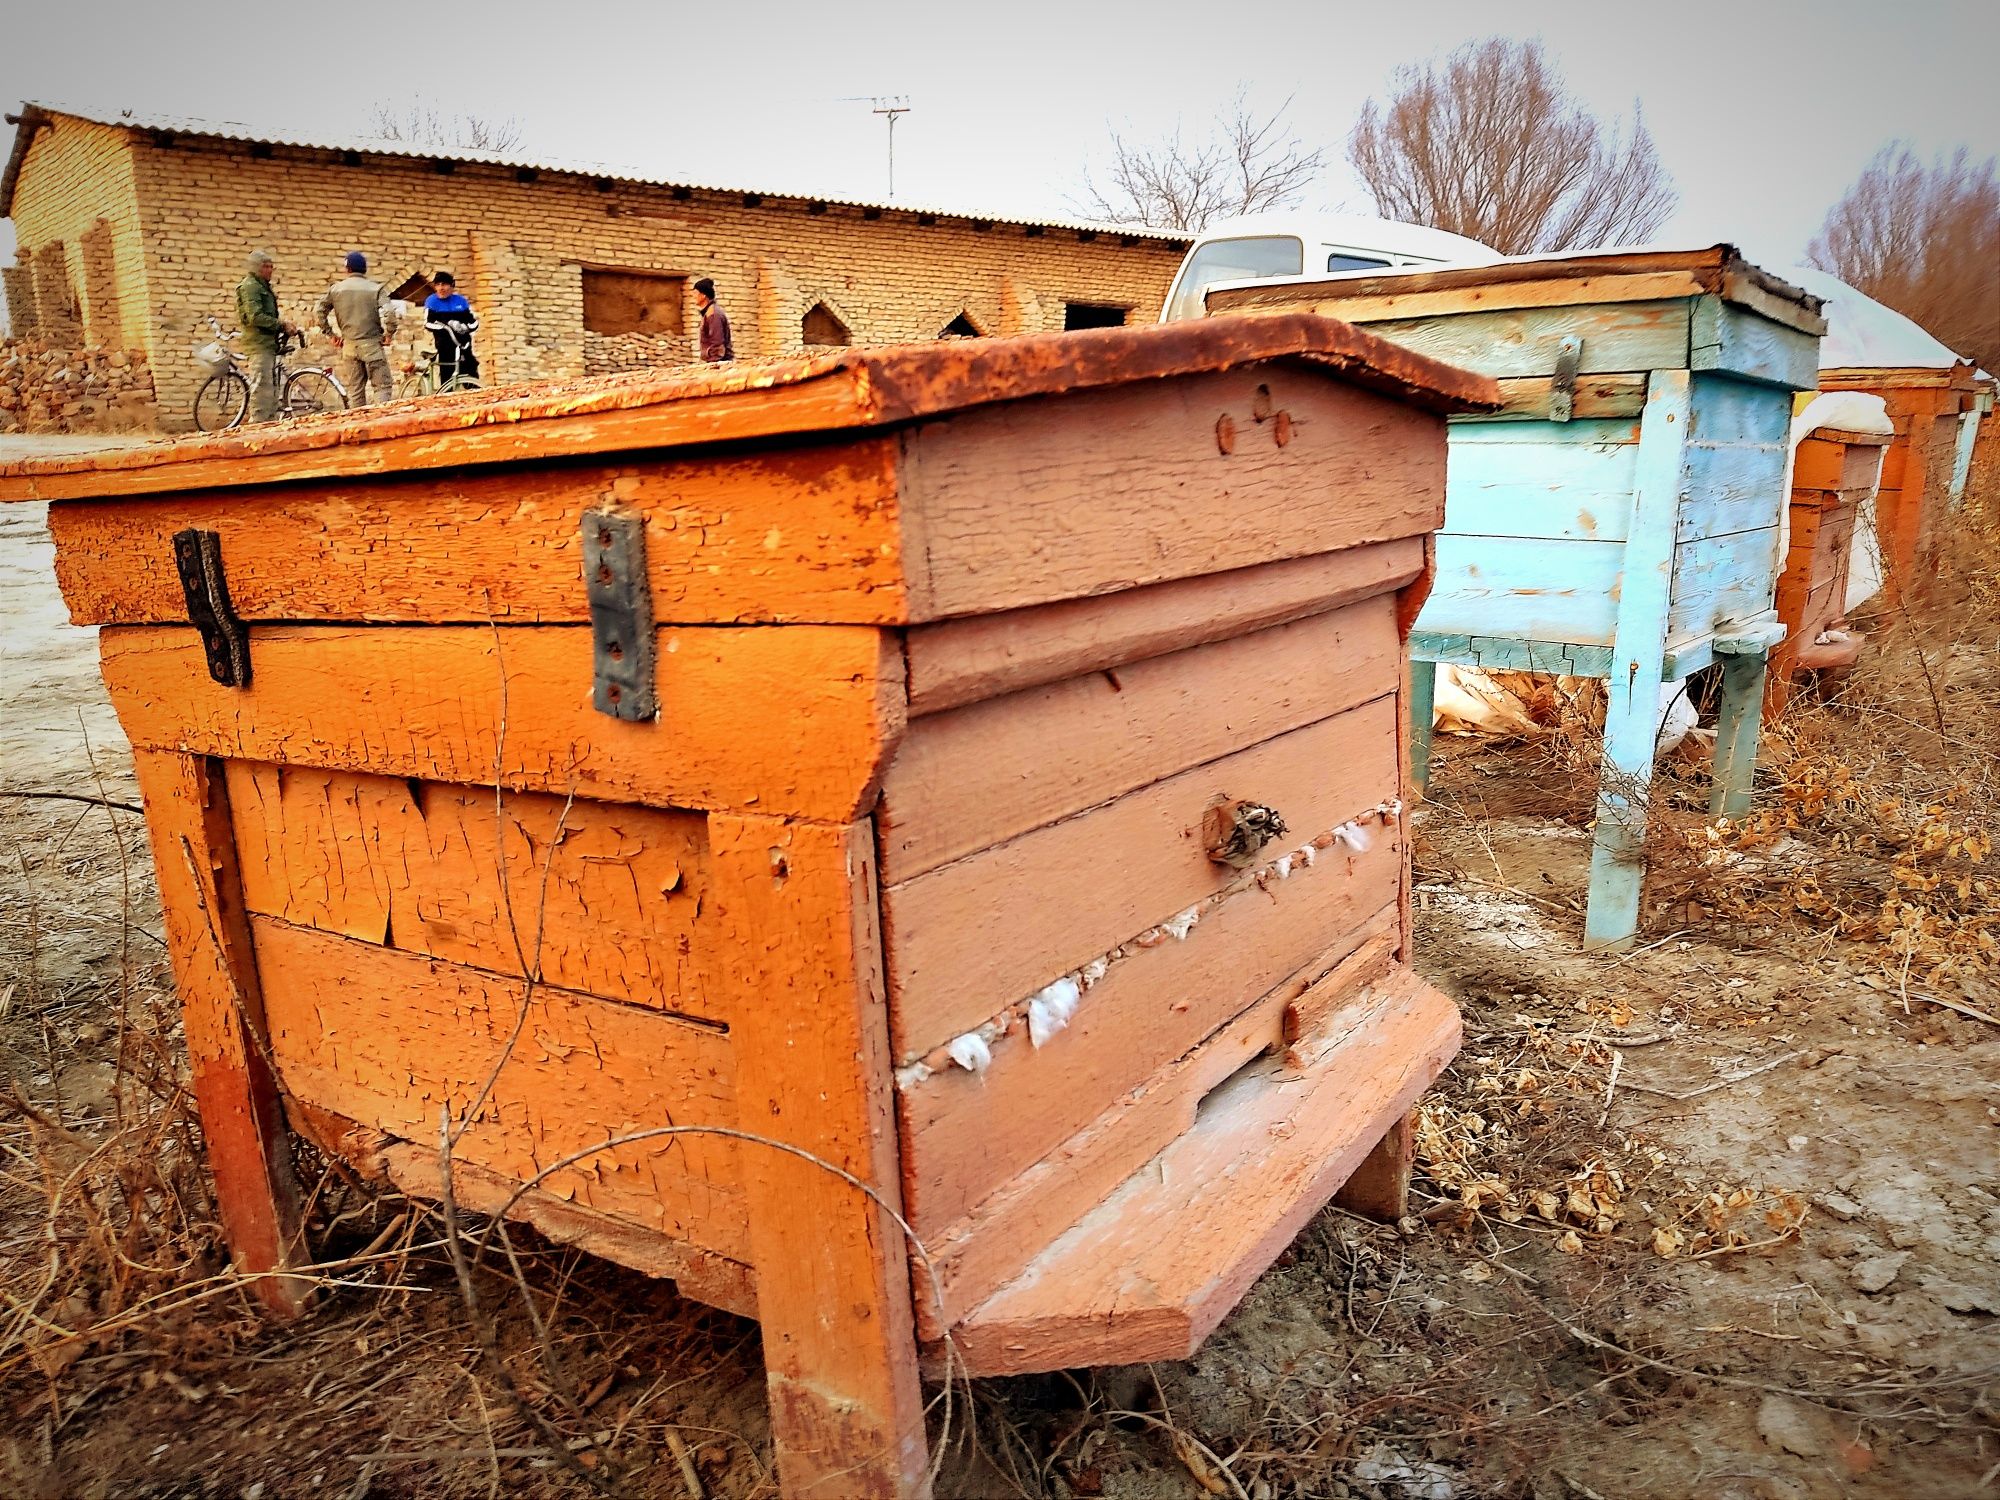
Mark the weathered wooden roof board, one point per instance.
(1619, 515)
(805, 491)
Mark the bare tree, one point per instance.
(1926, 241)
(418, 124)
(1488, 143)
(1243, 164)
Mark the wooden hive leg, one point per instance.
(1736, 730)
(1423, 705)
(1631, 723)
(235, 1089)
(813, 1071)
(1380, 1186)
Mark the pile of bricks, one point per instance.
(45, 387)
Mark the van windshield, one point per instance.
(1233, 260)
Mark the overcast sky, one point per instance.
(1764, 110)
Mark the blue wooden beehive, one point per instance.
(1618, 518)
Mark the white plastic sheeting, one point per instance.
(1862, 334)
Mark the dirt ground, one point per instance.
(1716, 1218)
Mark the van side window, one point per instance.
(1339, 262)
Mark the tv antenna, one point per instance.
(889, 106)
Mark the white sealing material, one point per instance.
(1049, 1011)
(970, 1052)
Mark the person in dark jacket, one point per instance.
(257, 316)
(452, 323)
(716, 345)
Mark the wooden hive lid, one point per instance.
(1544, 281)
(854, 389)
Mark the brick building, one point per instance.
(132, 231)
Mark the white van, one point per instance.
(1257, 247)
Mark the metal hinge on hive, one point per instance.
(224, 640)
(621, 615)
(1562, 389)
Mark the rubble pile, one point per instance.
(48, 388)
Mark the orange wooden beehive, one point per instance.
(1929, 408)
(947, 860)
(1834, 475)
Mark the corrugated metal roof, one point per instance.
(33, 114)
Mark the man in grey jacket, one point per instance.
(360, 308)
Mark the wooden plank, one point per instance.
(1727, 339)
(965, 1135)
(1378, 941)
(795, 534)
(1730, 489)
(1618, 338)
(1739, 413)
(956, 662)
(983, 774)
(1380, 1186)
(1706, 265)
(1759, 293)
(391, 1039)
(1332, 299)
(1638, 665)
(696, 1273)
(874, 387)
(428, 702)
(1526, 398)
(1053, 900)
(224, 1019)
(600, 897)
(1526, 589)
(1029, 503)
(1016, 1222)
(833, 1285)
(1720, 580)
(1151, 1272)
(1568, 480)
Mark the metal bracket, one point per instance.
(224, 640)
(1562, 389)
(621, 615)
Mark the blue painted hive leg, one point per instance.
(1624, 783)
(1423, 703)
(1736, 729)
(1631, 723)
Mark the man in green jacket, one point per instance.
(257, 315)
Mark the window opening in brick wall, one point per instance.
(822, 326)
(634, 302)
(960, 327)
(1093, 315)
(414, 290)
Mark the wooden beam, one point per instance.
(813, 1075)
(222, 1010)
(428, 702)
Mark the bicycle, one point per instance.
(223, 401)
(420, 379)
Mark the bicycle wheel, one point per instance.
(459, 383)
(222, 401)
(309, 392)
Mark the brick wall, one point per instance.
(519, 248)
(76, 223)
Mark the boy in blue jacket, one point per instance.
(452, 323)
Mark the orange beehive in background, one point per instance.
(1930, 409)
(1834, 472)
(975, 768)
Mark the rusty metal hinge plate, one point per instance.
(224, 639)
(1562, 389)
(621, 615)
